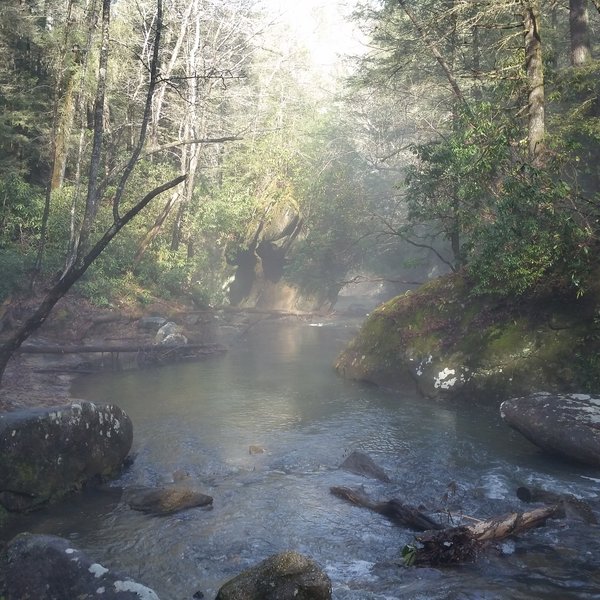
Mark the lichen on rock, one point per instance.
(448, 342)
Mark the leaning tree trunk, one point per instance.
(581, 52)
(535, 81)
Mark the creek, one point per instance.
(276, 389)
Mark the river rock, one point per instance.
(165, 500)
(568, 425)
(362, 464)
(46, 567)
(285, 576)
(48, 452)
(166, 331)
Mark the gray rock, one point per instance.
(165, 500)
(151, 323)
(45, 567)
(285, 576)
(174, 339)
(362, 464)
(48, 452)
(568, 425)
(167, 330)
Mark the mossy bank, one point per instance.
(451, 343)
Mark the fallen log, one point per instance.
(117, 348)
(462, 544)
(398, 513)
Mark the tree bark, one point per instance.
(535, 82)
(581, 52)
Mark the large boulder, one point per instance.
(568, 425)
(46, 567)
(285, 576)
(450, 343)
(48, 452)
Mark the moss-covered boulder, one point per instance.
(48, 452)
(449, 342)
(284, 576)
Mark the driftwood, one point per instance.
(120, 348)
(461, 544)
(439, 545)
(398, 513)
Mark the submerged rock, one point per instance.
(165, 500)
(568, 425)
(284, 576)
(362, 464)
(45, 567)
(48, 452)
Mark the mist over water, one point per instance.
(276, 389)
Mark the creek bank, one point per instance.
(122, 337)
(449, 343)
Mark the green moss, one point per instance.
(541, 343)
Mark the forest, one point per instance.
(190, 149)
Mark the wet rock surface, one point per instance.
(284, 576)
(48, 452)
(568, 425)
(45, 567)
(165, 500)
(360, 463)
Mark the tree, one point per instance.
(581, 51)
(87, 251)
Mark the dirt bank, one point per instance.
(44, 380)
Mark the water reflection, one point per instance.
(277, 390)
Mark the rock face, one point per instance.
(568, 425)
(285, 576)
(165, 500)
(44, 567)
(448, 343)
(48, 452)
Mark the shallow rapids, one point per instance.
(276, 390)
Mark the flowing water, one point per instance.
(276, 389)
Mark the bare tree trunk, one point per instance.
(535, 79)
(581, 52)
(92, 201)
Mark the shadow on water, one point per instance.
(277, 390)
